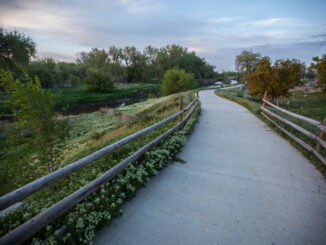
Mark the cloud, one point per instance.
(323, 35)
(224, 58)
(268, 22)
(140, 6)
(217, 31)
(41, 18)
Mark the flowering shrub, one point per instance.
(101, 207)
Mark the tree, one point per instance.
(96, 58)
(74, 81)
(151, 53)
(65, 69)
(247, 61)
(320, 67)
(276, 79)
(98, 81)
(46, 72)
(33, 111)
(16, 49)
(260, 80)
(176, 80)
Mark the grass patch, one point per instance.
(313, 106)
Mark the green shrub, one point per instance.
(74, 81)
(98, 81)
(176, 80)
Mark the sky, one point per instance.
(216, 30)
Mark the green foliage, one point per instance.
(129, 64)
(98, 81)
(81, 96)
(45, 70)
(16, 49)
(33, 113)
(176, 80)
(96, 58)
(52, 74)
(65, 69)
(320, 67)
(276, 79)
(74, 81)
(247, 61)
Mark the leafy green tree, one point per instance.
(247, 61)
(45, 70)
(116, 56)
(99, 81)
(65, 69)
(222, 77)
(175, 56)
(33, 111)
(151, 54)
(16, 49)
(74, 81)
(276, 79)
(96, 58)
(176, 80)
(320, 67)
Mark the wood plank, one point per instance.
(296, 139)
(300, 129)
(300, 117)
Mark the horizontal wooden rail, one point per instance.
(300, 129)
(300, 117)
(319, 139)
(299, 141)
(30, 188)
(29, 228)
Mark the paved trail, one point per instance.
(242, 184)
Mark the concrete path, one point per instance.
(242, 184)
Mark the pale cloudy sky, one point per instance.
(217, 30)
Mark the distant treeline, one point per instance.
(123, 65)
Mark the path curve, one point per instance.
(242, 184)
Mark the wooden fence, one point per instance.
(30, 227)
(319, 139)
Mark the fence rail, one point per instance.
(29, 228)
(319, 139)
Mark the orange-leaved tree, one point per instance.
(276, 79)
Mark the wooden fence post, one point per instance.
(265, 97)
(322, 136)
(180, 108)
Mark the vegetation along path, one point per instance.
(242, 184)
